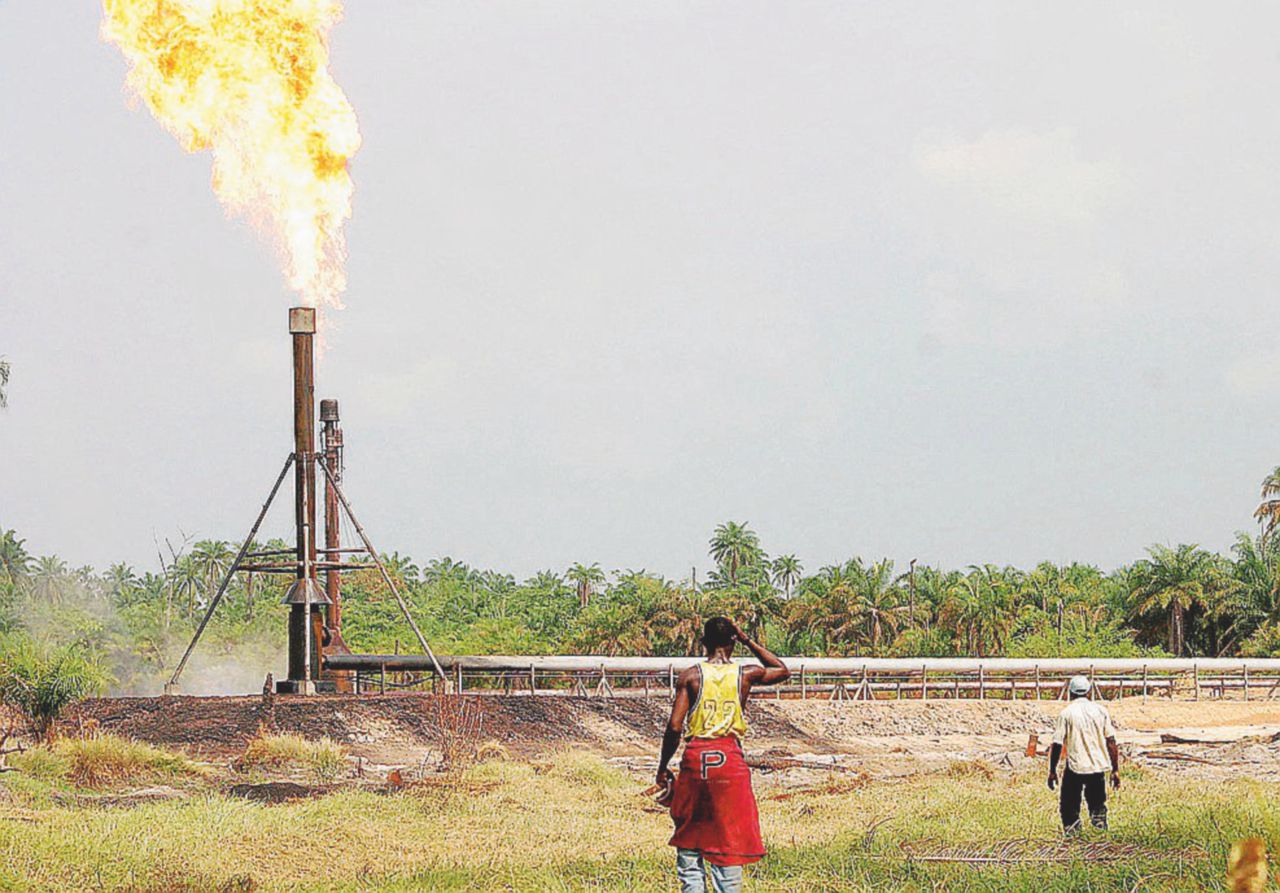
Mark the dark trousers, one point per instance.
(1094, 788)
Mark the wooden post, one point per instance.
(804, 689)
(1195, 675)
(956, 681)
(1144, 682)
(533, 681)
(1037, 682)
(924, 682)
(671, 679)
(382, 679)
(457, 682)
(982, 683)
(1246, 682)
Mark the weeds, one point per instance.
(457, 727)
(103, 761)
(575, 824)
(325, 759)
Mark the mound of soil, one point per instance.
(849, 721)
(273, 791)
(371, 724)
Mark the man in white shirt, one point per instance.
(1085, 733)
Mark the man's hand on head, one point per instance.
(737, 632)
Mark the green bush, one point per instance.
(40, 680)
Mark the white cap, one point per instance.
(1079, 685)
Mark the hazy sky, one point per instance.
(963, 282)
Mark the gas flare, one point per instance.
(248, 80)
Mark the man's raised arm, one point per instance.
(773, 670)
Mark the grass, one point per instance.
(324, 758)
(103, 761)
(573, 823)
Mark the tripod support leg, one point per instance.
(172, 684)
(386, 578)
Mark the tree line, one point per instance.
(1179, 600)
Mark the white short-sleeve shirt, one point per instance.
(1082, 730)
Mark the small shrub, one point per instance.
(40, 681)
(325, 758)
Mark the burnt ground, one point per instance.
(382, 726)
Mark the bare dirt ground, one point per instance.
(799, 741)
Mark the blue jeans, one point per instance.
(690, 870)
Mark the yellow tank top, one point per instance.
(718, 711)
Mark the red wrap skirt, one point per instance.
(713, 805)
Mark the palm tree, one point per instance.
(401, 567)
(212, 558)
(50, 579)
(13, 556)
(495, 583)
(681, 617)
(733, 546)
(980, 604)
(1268, 512)
(1173, 582)
(187, 580)
(121, 580)
(547, 580)
(830, 607)
(787, 571)
(39, 681)
(933, 588)
(1257, 567)
(585, 580)
(438, 570)
(615, 629)
(878, 600)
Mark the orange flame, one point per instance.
(249, 81)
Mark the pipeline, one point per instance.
(577, 663)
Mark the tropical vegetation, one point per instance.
(1178, 599)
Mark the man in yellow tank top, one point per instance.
(712, 804)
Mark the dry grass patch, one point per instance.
(323, 758)
(970, 769)
(571, 823)
(102, 761)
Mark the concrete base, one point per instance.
(302, 687)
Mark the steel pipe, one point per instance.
(578, 663)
